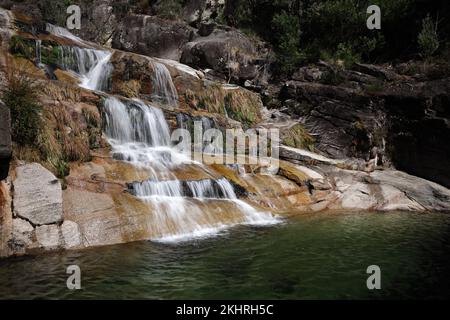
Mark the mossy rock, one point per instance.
(298, 137)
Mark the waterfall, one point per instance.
(163, 88)
(138, 133)
(92, 66)
(62, 33)
(39, 53)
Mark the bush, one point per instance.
(20, 95)
(287, 30)
(428, 38)
(168, 9)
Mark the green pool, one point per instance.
(315, 256)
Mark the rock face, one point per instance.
(37, 195)
(342, 119)
(227, 52)
(373, 112)
(101, 22)
(152, 36)
(97, 206)
(5, 140)
(71, 235)
(48, 237)
(22, 235)
(419, 128)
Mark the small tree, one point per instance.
(428, 38)
(287, 31)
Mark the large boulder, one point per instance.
(5, 140)
(100, 22)
(229, 53)
(152, 36)
(37, 195)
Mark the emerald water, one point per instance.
(314, 256)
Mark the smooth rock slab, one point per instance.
(48, 237)
(71, 234)
(37, 195)
(22, 232)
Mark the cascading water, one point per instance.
(139, 134)
(92, 66)
(164, 90)
(39, 53)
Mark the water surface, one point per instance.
(315, 256)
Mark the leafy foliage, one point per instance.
(428, 38)
(287, 30)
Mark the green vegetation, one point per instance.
(428, 38)
(298, 137)
(287, 33)
(20, 96)
(335, 30)
(21, 47)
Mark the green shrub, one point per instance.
(287, 30)
(20, 95)
(428, 38)
(347, 55)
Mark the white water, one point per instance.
(163, 88)
(62, 33)
(91, 66)
(139, 134)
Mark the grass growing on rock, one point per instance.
(45, 126)
(21, 96)
(298, 137)
(236, 103)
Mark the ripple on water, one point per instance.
(310, 256)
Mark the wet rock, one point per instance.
(22, 235)
(301, 155)
(37, 195)
(152, 36)
(49, 237)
